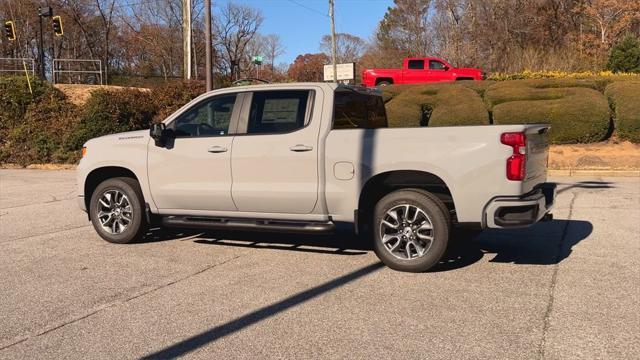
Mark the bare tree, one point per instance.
(235, 27)
(273, 48)
(349, 47)
(105, 9)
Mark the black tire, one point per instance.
(138, 225)
(436, 212)
(383, 83)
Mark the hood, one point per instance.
(139, 136)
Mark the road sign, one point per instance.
(257, 60)
(344, 72)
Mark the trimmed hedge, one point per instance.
(577, 114)
(46, 128)
(108, 112)
(434, 105)
(624, 98)
(35, 128)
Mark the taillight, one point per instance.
(516, 163)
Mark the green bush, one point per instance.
(624, 97)
(108, 112)
(15, 99)
(625, 55)
(577, 114)
(434, 105)
(41, 135)
(169, 98)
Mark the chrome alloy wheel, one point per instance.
(406, 231)
(114, 211)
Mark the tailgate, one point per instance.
(537, 155)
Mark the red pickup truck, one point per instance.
(419, 70)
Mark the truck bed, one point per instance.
(470, 159)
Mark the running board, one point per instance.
(206, 223)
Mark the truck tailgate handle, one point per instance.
(301, 148)
(217, 149)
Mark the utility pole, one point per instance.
(333, 42)
(207, 38)
(186, 38)
(43, 12)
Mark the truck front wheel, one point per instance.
(411, 230)
(117, 210)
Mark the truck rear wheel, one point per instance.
(411, 230)
(117, 210)
(383, 83)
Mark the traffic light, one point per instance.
(10, 30)
(57, 25)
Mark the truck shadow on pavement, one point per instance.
(545, 243)
(562, 187)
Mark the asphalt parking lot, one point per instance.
(564, 289)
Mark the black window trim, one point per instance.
(233, 122)
(243, 123)
(409, 62)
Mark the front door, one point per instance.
(275, 154)
(193, 170)
(438, 71)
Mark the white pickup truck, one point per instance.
(311, 158)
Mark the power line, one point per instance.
(308, 8)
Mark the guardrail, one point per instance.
(17, 66)
(74, 66)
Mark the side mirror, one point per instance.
(446, 68)
(158, 133)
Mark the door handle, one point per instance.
(301, 148)
(217, 149)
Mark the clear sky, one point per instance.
(302, 23)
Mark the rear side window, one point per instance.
(277, 111)
(353, 110)
(416, 64)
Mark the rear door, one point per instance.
(275, 153)
(415, 72)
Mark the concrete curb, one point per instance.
(600, 172)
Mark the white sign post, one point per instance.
(344, 72)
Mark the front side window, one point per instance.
(416, 64)
(275, 112)
(436, 65)
(210, 117)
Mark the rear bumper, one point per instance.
(519, 211)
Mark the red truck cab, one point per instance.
(418, 71)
